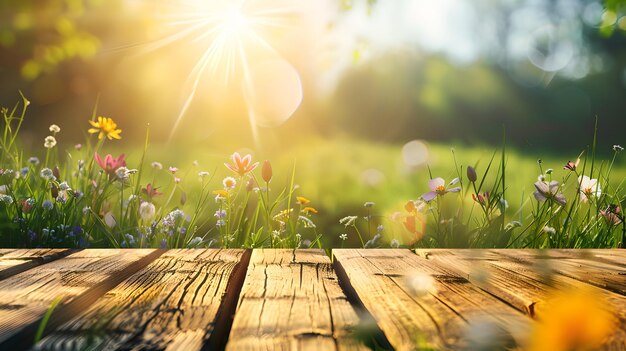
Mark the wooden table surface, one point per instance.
(266, 299)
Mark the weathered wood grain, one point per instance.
(418, 303)
(526, 285)
(172, 303)
(13, 262)
(602, 274)
(77, 280)
(611, 256)
(291, 300)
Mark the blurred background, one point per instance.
(363, 95)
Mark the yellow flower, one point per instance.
(309, 210)
(574, 321)
(302, 200)
(106, 127)
(221, 193)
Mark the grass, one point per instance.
(162, 197)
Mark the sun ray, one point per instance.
(226, 29)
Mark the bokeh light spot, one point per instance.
(415, 153)
(273, 92)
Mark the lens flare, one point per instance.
(273, 92)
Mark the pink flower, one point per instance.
(110, 164)
(571, 165)
(240, 165)
(612, 215)
(151, 191)
(173, 170)
(438, 187)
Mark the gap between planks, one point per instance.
(183, 300)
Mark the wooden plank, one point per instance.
(292, 300)
(439, 316)
(172, 303)
(13, 262)
(611, 256)
(526, 286)
(605, 275)
(77, 280)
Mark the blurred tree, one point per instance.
(37, 36)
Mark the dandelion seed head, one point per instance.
(49, 142)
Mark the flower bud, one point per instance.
(266, 171)
(471, 174)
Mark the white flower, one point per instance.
(157, 165)
(203, 174)
(588, 188)
(618, 148)
(395, 243)
(49, 142)
(6, 199)
(146, 211)
(3, 189)
(348, 221)
(308, 223)
(54, 128)
(343, 236)
(229, 183)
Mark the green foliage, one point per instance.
(78, 198)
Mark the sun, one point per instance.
(231, 35)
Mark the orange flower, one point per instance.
(574, 321)
(105, 127)
(241, 165)
(309, 210)
(301, 200)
